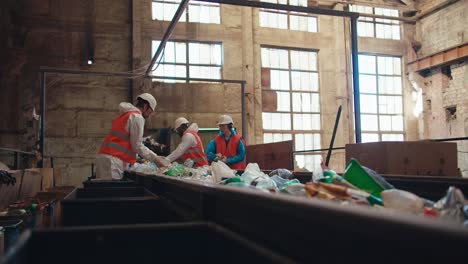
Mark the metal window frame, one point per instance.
(379, 132)
(291, 112)
(187, 15)
(187, 64)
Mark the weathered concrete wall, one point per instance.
(78, 108)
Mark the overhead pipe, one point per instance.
(356, 91)
(42, 124)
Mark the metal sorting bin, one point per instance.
(115, 205)
(312, 230)
(108, 183)
(150, 243)
(11, 232)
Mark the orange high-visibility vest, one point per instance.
(230, 149)
(117, 142)
(197, 153)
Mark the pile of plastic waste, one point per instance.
(357, 186)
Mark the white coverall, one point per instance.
(188, 141)
(107, 166)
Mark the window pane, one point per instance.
(282, 21)
(157, 11)
(390, 85)
(276, 121)
(361, 29)
(266, 118)
(263, 19)
(181, 52)
(283, 59)
(385, 123)
(390, 104)
(370, 137)
(275, 137)
(370, 30)
(216, 54)
(169, 52)
(392, 137)
(215, 16)
(367, 64)
(306, 102)
(194, 53)
(305, 81)
(267, 138)
(367, 83)
(396, 32)
(306, 121)
(396, 66)
(369, 123)
(295, 59)
(369, 104)
(312, 24)
(198, 12)
(391, 123)
(194, 13)
(308, 162)
(205, 72)
(397, 123)
(265, 58)
(279, 80)
(283, 101)
(307, 141)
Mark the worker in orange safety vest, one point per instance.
(227, 146)
(191, 147)
(125, 139)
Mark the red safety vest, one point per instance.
(197, 153)
(230, 149)
(117, 142)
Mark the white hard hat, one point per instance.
(150, 99)
(180, 121)
(224, 120)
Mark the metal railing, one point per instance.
(17, 155)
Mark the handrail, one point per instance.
(17, 151)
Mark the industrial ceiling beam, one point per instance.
(303, 9)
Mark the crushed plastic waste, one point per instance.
(402, 201)
(146, 167)
(453, 205)
(283, 173)
(220, 170)
(358, 186)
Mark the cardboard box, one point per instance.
(407, 158)
(271, 156)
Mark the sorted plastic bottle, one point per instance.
(295, 189)
(189, 163)
(176, 171)
(402, 201)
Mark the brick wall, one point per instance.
(445, 87)
(443, 29)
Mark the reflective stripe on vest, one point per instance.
(117, 142)
(197, 153)
(230, 149)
